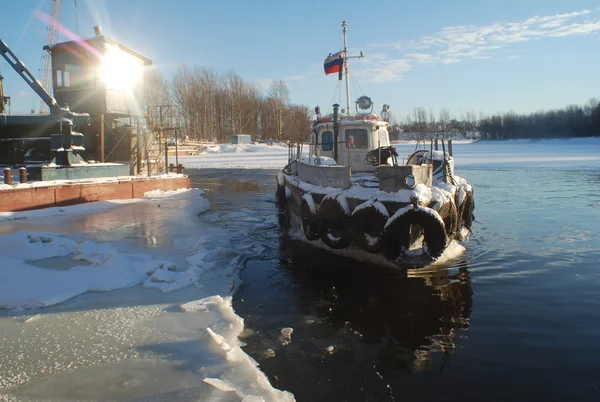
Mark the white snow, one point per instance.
(311, 202)
(240, 156)
(375, 204)
(93, 180)
(105, 269)
(398, 214)
(50, 256)
(321, 160)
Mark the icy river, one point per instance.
(180, 296)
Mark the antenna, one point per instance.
(45, 72)
(346, 66)
(76, 20)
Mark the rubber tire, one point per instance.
(308, 216)
(396, 236)
(368, 221)
(334, 223)
(466, 210)
(449, 214)
(281, 198)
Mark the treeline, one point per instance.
(572, 121)
(420, 124)
(211, 106)
(214, 107)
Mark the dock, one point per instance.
(46, 194)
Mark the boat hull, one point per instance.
(409, 233)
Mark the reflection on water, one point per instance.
(357, 328)
(362, 326)
(514, 319)
(147, 223)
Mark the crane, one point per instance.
(4, 100)
(45, 72)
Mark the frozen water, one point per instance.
(160, 340)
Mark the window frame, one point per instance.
(329, 143)
(351, 132)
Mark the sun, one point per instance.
(119, 70)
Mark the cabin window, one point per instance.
(59, 78)
(67, 79)
(384, 139)
(327, 141)
(360, 136)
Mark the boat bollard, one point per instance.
(180, 169)
(172, 167)
(7, 176)
(23, 175)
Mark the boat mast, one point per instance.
(346, 69)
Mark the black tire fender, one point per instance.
(308, 216)
(449, 214)
(334, 222)
(396, 234)
(366, 225)
(281, 197)
(466, 208)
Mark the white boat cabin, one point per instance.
(361, 133)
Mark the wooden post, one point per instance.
(7, 176)
(139, 145)
(176, 148)
(166, 155)
(101, 137)
(23, 175)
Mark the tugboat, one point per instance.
(352, 190)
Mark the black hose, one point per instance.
(372, 157)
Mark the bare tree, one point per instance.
(279, 94)
(444, 120)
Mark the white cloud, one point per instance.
(390, 70)
(294, 78)
(263, 83)
(422, 57)
(471, 42)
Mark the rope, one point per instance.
(336, 92)
(362, 183)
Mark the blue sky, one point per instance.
(463, 55)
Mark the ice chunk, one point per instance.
(219, 384)
(286, 336)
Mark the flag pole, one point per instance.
(346, 69)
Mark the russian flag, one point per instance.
(334, 63)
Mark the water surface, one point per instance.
(513, 318)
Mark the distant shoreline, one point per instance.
(504, 140)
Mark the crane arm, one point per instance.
(20, 68)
